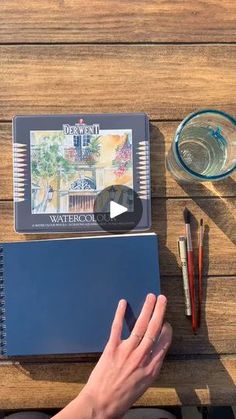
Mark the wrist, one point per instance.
(97, 409)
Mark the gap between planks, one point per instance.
(136, 43)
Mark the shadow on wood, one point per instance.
(167, 257)
(221, 189)
(224, 213)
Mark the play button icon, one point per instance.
(116, 209)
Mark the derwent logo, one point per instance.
(81, 128)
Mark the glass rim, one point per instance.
(177, 136)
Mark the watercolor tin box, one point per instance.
(62, 162)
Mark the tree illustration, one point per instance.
(49, 164)
(93, 151)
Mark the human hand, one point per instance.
(128, 367)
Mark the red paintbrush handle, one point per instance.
(192, 288)
(200, 265)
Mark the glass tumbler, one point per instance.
(204, 147)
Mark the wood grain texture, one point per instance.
(165, 81)
(167, 217)
(127, 21)
(187, 382)
(218, 324)
(163, 184)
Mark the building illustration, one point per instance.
(68, 171)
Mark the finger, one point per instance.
(151, 367)
(154, 327)
(141, 324)
(161, 348)
(117, 324)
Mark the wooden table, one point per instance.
(166, 58)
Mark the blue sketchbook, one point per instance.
(59, 296)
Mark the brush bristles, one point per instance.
(187, 216)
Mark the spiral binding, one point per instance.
(3, 342)
(19, 168)
(143, 168)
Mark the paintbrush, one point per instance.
(190, 257)
(200, 269)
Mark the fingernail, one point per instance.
(162, 299)
(150, 296)
(122, 303)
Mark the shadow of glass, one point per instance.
(226, 187)
(223, 188)
(224, 213)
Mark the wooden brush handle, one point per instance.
(200, 265)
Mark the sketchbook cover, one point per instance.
(61, 163)
(60, 296)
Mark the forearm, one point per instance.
(82, 407)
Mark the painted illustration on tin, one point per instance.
(69, 168)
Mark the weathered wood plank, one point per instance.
(167, 216)
(218, 325)
(163, 184)
(53, 385)
(105, 21)
(165, 81)
(220, 232)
